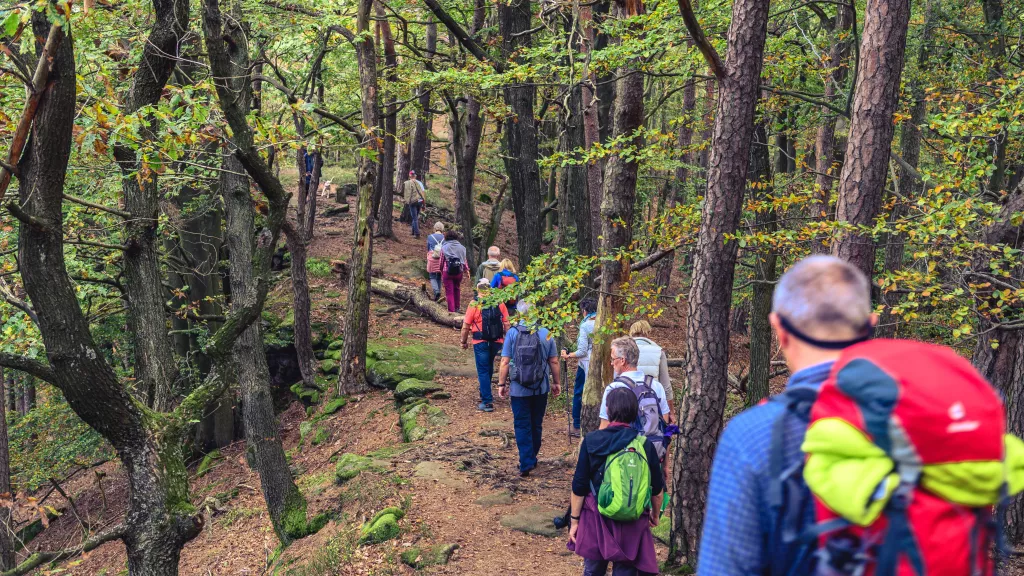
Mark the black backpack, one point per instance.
(454, 265)
(529, 359)
(492, 328)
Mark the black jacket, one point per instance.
(596, 448)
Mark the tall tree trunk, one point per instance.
(993, 11)
(765, 221)
(28, 390)
(297, 238)
(384, 199)
(908, 185)
(681, 176)
(591, 124)
(249, 263)
(866, 162)
(145, 308)
(6, 526)
(460, 185)
(520, 138)
(707, 328)
(576, 207)
(352, 376)
(421, 138)
(825, 142)
(618, 200)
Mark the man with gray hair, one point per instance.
(821, 305)
(625, 355)
(488, 268)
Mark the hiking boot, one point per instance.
(560, 522)
(485, 407)
(574, 432)
(525, 473)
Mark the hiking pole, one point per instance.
(568, 405)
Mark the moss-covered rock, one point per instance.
(440, 396)
(320, 436)
(335, 405)
(351, 465)
(436, 555)
(382, 528)
(413, 388)
(329, 366)
(333, 355)
(422, 420)
(389, 373)
(410, 403)
(336, 344)
(304, 429)
(207, 464)
(307, 396)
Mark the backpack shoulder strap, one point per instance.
(649, 381)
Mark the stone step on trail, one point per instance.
(535, 519)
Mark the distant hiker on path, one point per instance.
(653, 361)
(617, 463)
(488, 268)
(820, 306)
(434, 242)
(453, 266)
(533, 352)
(413, 190)
(506, 277)
(584, 345)
(487, 327)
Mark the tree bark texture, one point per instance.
(160, 518)
(461, 185)
(576, 193)
(908, 186)
(384, 198)
(617, 204)
(866, 161)
(826, 164)
(765, 220)
(145, 304)
(297, 238)
(707, 328)
(7, 558)
(520, 138)
(352, 376)
(591, 123)
(421, 137)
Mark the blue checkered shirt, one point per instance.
(737, 520)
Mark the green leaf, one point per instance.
(11, 23)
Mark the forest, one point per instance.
(209, 293)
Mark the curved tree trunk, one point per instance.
(707, 328)
(617, 205)
(866, 162)
(352, 376)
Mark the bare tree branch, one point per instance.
(705, 47)
(28, 366)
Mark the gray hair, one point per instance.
(626, 348)
(523, 306)
(438, 226)
(824, 296)
(493, 252)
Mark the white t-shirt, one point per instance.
(636, 376)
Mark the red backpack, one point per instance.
(907, 458)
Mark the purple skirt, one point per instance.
(600, 538)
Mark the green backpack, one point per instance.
(625, 493)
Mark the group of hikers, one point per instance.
(885, 457)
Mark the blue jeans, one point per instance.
(600, 568)
(485, 353)
(577, 396)
(528, 420)
(435, 283)
(414, 213)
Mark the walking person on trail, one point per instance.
(413, 191)
(453, 266)
(490, 267)
(650, 393)
(533, 351)
(506, 277)
(882, 456)
(434, 242)
(653, 361)
(616, 494)
(584, 345)
(487, 327)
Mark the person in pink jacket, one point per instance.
(453, 266)
(434, 242)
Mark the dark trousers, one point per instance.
(528, 420)
(414, 213)
(577, 396)
(600, 568)
(485, 352)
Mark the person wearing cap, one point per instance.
(413, 190)
(821, 306)
(485, 351)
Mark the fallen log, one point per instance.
(408, 295)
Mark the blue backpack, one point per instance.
(528, 357)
